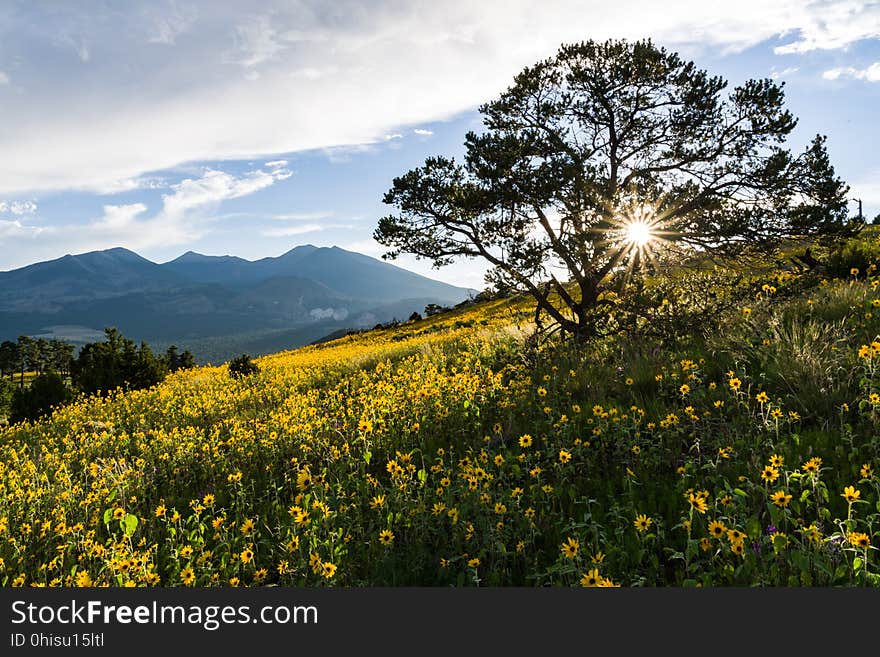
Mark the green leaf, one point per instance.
(857, 564)
(367, 456)
(129, 524)
(753, 527)
(740, 492)
(108, 514)
(423, 476)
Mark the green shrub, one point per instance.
(242, 366)
(859, 253)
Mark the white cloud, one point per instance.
(216, 186)
(118, 217)
(15, 228)
(322, 75)
(18, 207)
(4, 77)
(343, 154)
(871, 74)
(395, 135)
(784, 72)
(301, 216)
(327, 313)
(423, 132)
(833, 25)
(289, 231)
(186, 214)
(123, 185)
(274, 164)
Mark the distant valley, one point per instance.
(215, 306)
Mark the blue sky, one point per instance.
(249, 128)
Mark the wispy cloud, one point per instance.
(169, 20)
(4, 78)
(870, 74)
(423, 132)
(776, 75)
(257, 42)
(301, 216)
(271, 76)
(216, 186)
(124, 185)
(288, 231)
(79, 45)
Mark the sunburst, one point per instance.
(638, 233)
(637, 236)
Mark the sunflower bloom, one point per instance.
(698, 502)
(642, 523)
(570, 548)
(812, 466)
(717, 529)
(591, 578)
(187, 576)
(780, 498)
(769, 474)
(860, 540)
(850, 494)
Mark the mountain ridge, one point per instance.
(195, 297)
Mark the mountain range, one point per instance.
(216, 306)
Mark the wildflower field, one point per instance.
(456, 450)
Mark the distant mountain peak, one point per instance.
(190, 256)
(116, 252)
(301, 250)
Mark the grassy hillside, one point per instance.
(724, 443)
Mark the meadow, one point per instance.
(731, 443)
